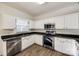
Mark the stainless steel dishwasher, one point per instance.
(13, 46)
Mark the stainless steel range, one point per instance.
(48, 39)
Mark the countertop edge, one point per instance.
(7, 37)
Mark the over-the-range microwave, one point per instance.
(49, 26)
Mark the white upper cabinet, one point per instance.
(59, 22)
(7, 21)
(31, 24)
(39, 24)
(72, 21)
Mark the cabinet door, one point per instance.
(66, 46)
(26, 42)
(8, 22)
(58, 44)
(31, 24)
(31, 39)
(39, 24)
(71, 21)
(39, 39)
(59, 21)
(69, 47)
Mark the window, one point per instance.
(21, 25)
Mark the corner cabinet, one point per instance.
(39, 24)
(27, 41)
(38, 39)
(66, 45)
(31, 39)
(7, 21)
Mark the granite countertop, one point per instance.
(23, 34)
(4, 37)
(59, 33)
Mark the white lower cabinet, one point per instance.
(38, 39)
(31, 39)
(66, 45)
(58, 44)
(27, 41)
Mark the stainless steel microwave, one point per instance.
(49, 26)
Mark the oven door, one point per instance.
(47, 42)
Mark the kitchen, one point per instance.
(52, 26)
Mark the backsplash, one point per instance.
(38, 30)
(7, 31)
(64, 31)
(68, 31)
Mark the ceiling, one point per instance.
(35, 9)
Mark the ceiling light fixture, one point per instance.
(40, 2)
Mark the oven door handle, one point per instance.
(49, 38)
